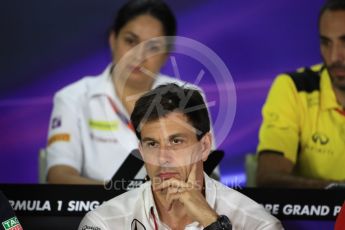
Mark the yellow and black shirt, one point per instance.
(303, 121)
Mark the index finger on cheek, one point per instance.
(192, 174)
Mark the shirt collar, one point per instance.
(210, 190)
(327, 97)
(104, 85)
(149, 204)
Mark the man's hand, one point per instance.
(189, 194)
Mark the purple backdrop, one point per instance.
(45, 46)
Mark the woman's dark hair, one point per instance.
(169, 98)
(155, 8)
(332, 5)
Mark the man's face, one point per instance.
(169, 147)
(332, 44)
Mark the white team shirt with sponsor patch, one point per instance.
(86, 133)
(136, 210)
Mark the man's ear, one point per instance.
(206, 145)
(112, 40)
(165, 58)
(140, 147)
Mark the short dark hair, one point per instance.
(169, 98)
(331, 5)
(155, 8)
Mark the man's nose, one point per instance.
(338, 53)
(164, 156)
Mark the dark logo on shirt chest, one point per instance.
(137, 225)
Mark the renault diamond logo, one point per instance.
(320, 138)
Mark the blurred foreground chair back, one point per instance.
(251, 163)
(42, 166)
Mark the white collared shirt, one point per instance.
(86, 133)
(136, 210)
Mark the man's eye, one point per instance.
(130, 41)
(324, 42)
(177, 141)
(343, 42)
(152, 144)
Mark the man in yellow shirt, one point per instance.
(302, 137)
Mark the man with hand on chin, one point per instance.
(172, 125)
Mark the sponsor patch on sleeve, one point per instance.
(65, 137)
(104, 125)
(56, 122)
